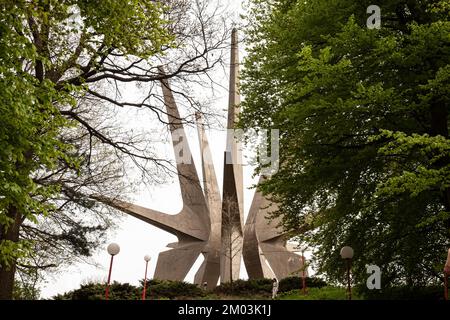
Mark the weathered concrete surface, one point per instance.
(209, 271)
(233, 192)
(251, 252)
(264, 234)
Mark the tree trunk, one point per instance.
(7, 273)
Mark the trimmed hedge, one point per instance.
(293, 283)
(168, 289)
(156, 289)
(245, 287)
(96, 291)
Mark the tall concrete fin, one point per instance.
(210, 185)
(233, 145)
(191, 190)
(232, 236)
(251, 252)
(232, 215)
(271, 242)
(209, 271)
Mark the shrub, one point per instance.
(157, 289)
(403, 293)
(245, 287)
(293, 283)
(96, 291)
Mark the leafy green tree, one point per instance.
(30, 124)
(364, 115)
(63, 67)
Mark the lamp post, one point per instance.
(303, 264)
(112, 249)
(347, 255)
(446, 275)
(147, 259)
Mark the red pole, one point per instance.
(109, 278)
(145, 281)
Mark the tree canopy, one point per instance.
(363, 116)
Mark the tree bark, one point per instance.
(7, 273)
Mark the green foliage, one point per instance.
(294, 283)
(157, 289)
(262, 288)
(29, 134)
(364, 118)
(45, 47)
(432, 149)
(25, 291)
(134, 27)
(96, 291)
(245, 287)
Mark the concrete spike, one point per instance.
(233, 145)
(184, 223)
(209, 271)
(234, 98)
(191, 190)
(232, 216)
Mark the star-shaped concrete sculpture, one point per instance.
(207, 222)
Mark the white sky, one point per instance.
(137, 238)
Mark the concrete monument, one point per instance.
(211, 224)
